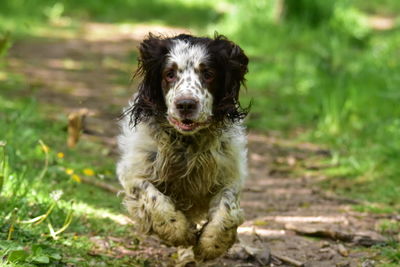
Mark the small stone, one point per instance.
(343, 264)
(368, 263)
(342, 250)
(325, 244)
(327, 253)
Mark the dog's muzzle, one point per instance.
(187, 107)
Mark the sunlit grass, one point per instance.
(40, 18)
(335, 83)
(41, 204)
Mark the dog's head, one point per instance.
(191, 82)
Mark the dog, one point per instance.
(183, 146)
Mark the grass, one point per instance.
(34, 17)
(41, 189)
(384, 7)
(333, 83)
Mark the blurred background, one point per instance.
(325, 73)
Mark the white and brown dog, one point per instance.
(183, 147)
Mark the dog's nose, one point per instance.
(186, 107)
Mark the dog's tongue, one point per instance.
(185, 125)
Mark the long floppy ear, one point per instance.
(232, 62)
(149, 100)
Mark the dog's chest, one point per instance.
(190, 174)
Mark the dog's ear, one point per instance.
(149, 100)
(232, 62)
(152, 52)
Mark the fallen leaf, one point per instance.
(342, 250)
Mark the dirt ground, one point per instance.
(288, 218)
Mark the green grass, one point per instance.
(389, 255)
(30, 188)
(32, 17)
(334, 83)
(382, 7)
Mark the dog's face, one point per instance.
(191, 82)
(188, 79)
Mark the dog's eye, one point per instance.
(208, 75)
(170, 75)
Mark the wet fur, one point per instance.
(174, 182)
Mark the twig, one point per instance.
(46, 160)
(288, 260)
(39, 219)
(363, 238)
(67, 222)
(104, 186)
(255, 190)
(75, 126)
(13, 220)
(3, 166)
(333, 197)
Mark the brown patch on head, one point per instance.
(170, 75)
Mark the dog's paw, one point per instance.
(219, 234)
(214, 241)
(157, 214)
(174, 228)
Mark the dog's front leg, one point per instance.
(219, 233)
(156, 213)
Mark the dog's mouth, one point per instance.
(186, 125)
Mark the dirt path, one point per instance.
(92, 71)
